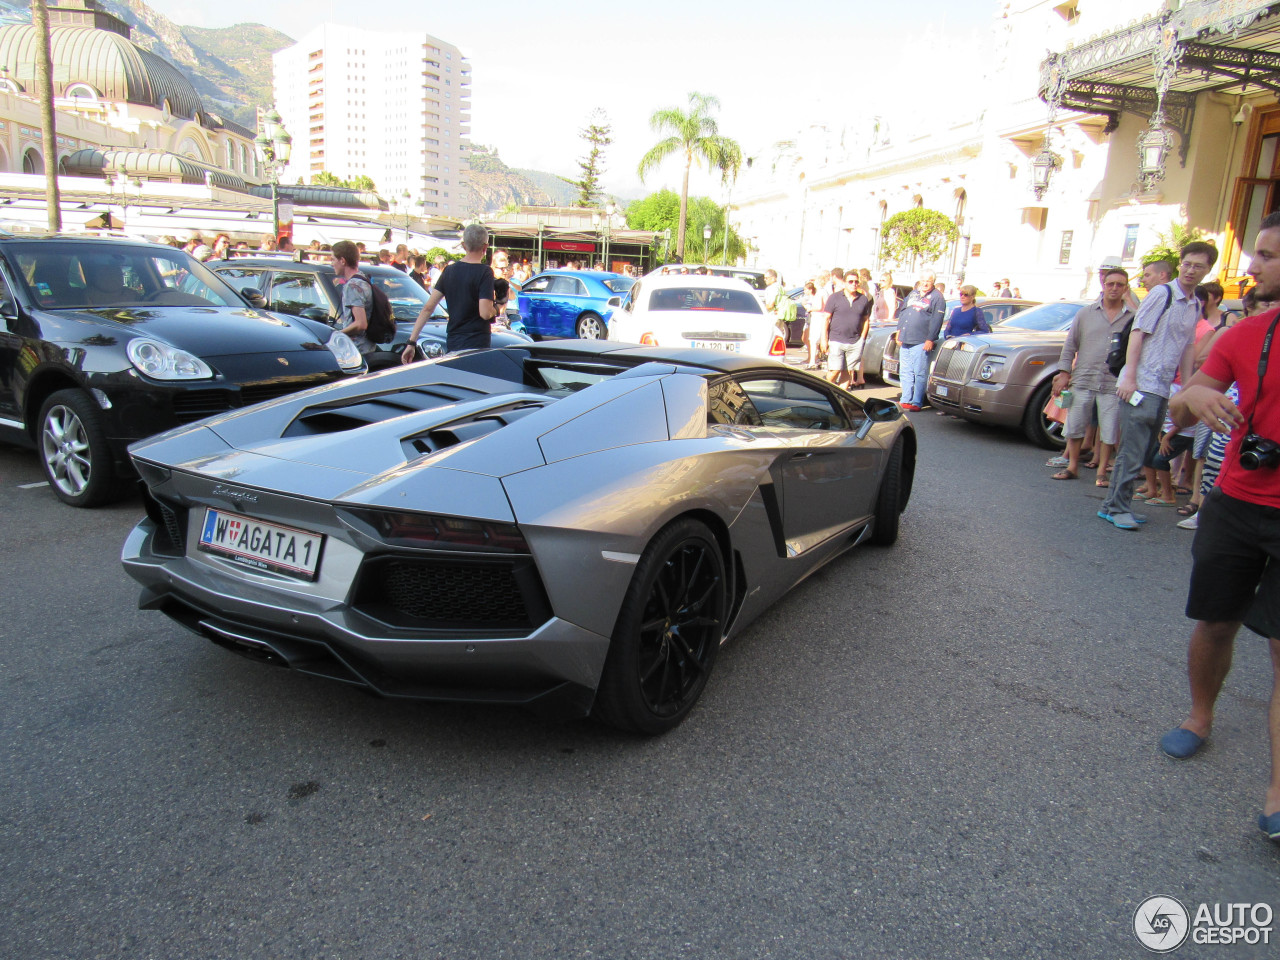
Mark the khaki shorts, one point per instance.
(843, 357)
(1080, 413)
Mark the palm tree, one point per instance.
(696, 135)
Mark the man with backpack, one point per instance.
(357, 295)
(1161, 346)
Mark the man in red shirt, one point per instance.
(1235, 574)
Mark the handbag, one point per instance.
(1055, 412)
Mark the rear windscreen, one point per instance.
(704, 298)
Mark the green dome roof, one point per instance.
(113, 66)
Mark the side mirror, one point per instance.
(8, 309)
(614, 301)
(315, 313)
(254, 296)
(878, 411)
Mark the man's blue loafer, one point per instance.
(1121, 521)
(1270, 826)
(1183, 744)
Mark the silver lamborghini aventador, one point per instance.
(571, 524)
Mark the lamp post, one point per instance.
(1042, 166)
(122, 185)
(666, 245)
(706, 242)
(273, 145)
(609, 211)
(1153, 149)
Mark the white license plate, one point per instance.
(260, 545)
(729, 345)
(891, 366)
(941, 391)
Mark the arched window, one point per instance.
(244, 159)
(191, 148)
(229, 154)
(82, 90)
(63, 170)
(32, 162)
(8, 85)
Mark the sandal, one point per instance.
(1157, 502)
(1102, 482)
(1188, 509)
(1091, 465)
(1064, 475)
(1184, 491)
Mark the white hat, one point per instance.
(202, 252)
(1109, 263)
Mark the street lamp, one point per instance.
(124, 185)
(1153, 149)
(666, 245)
(609, 211)
(273, 145)
(706, 242)
(1042, 166)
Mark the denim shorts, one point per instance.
(1235, 568)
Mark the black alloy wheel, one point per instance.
(668, 632)
(889, 500)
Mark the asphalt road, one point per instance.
(943, 749)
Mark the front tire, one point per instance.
(889, 500)
(668, 632)
(74, 450)
(1039, 429)
(590, 326)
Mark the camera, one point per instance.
(1257, 452)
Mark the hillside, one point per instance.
(494, 185)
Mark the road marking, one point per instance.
(32, 486)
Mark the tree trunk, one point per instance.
(684, 207)
(49, 143)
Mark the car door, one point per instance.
(10, 352)
(828, 475)
(535, 304)
(566, 296)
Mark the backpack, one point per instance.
(785, 307)
(1118, 353)
(382, 322)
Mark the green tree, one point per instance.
(1169, 245)
(917, 235)
(326, 179)
(598, 134)
(696, 136)
(661, 211)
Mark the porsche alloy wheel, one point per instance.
(74, 450)
(668, 632)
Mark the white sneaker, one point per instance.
(1191, 523)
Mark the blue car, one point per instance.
(571, 303)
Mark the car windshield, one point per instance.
(1047, 316)
(75, 276)
(404, 293)
(704, 298)
(620, 284)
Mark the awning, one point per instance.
(1223, 46)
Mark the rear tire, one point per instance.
(590, 326)
(889, 500)
(1039, 429)
(668, 632)
(74, 451)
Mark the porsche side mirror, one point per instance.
(8, 309)
(254, 296)
(615, 301)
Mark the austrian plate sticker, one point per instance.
(261, 546)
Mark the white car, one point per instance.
(687, 310)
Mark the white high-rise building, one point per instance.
(395, 107)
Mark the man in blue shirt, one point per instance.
(919, 324)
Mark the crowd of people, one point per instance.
(1172, 396)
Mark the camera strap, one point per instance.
(1262, 367)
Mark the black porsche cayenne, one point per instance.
(106, 341)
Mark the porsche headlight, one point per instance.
(345, 352)
(990, 367)
(159, 361)
(431, 348)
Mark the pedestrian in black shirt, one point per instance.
(466, 286)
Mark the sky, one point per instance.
(776, 67)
